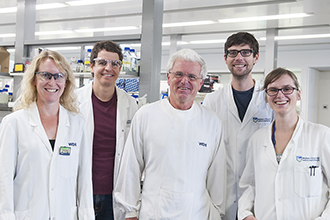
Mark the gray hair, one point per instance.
(190, 56)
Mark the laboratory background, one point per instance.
(293, 34)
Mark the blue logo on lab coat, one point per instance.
(260, 120)
(299, 158)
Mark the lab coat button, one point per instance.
(240, 153)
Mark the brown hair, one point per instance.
(278, 73)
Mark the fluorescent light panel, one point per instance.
(106, 29)
(8, 10)
(192, 23)
(53, 32)
(265, 18)
(50, 6)
(63, 48)
(297, 37)
(91, 2)
(7, 35)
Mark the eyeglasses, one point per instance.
(180, 75)
(244, 53)
(104, 62)
(287, 90)
(46, 76)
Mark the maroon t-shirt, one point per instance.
(104, 144)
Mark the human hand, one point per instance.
(134, 218)
(250, 217)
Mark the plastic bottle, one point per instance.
(10, 96)
(126, 59)
(133, 61)
(4, 96)
(87, 67)
(73, 64)
(80, 66)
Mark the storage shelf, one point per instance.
(5, 74)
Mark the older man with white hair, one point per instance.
(176, 142)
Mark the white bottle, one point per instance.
(133, 61)
(73, 64)
(87, 67)
(126, 60)
(4, 96)
(80, 66)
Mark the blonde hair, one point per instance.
(28, 91)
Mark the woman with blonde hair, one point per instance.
(45, 170)
(287, 170)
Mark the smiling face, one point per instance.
(105, 75)
(182, 90)
(48, 91)
(283, 105)
(240, 66)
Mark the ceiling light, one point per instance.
(53, 32)
(207, 41)
(8, 10)
(50, 6)
(64, 48)
(264, 18)
(91, 2)
(106, 29)
(296, 37)
(7, 35)
(192, 23)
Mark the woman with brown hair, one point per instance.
(288, 168)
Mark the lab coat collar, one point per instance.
(267, 142)
(35, 122)
(252, 107)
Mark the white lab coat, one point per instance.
(126, 108)
(291, 189)
(236, 134)
(183, 161)
(37, 183)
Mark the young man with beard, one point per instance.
(242, 109)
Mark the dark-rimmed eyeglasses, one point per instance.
(244, 53)
(104, 62)
(287, 90)
(180, 75)
(47, 76)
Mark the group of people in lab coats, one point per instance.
(244, 154)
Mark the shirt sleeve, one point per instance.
(127, 190)
(8, 158)
(85, 190)
(325, 143)
(247, 185)
(216, 180)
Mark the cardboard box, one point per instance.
(4, 60)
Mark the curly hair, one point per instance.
(28, 90)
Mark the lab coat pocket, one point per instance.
(22, 215)
(308, 181)
(174, 205)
